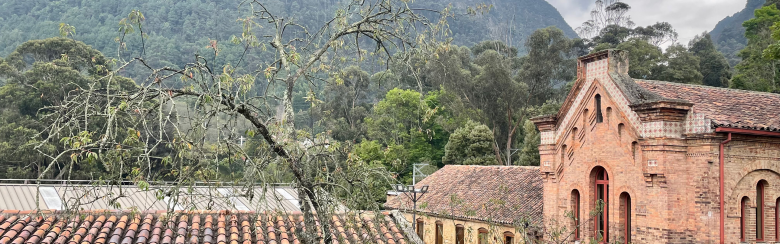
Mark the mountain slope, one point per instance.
(729, 35)
(178, 29)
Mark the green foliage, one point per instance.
(409, 128)
(758, 71)
(39, 75)
(471, 144)
(644, 58)
(712, 64)
(681, 66)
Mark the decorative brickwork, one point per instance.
(658, 144)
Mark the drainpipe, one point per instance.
(722, 190)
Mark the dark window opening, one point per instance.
(482, 236)
(460, 235)
(599, 116)
(420, 228)
(601, 223)
(439, 229)
(743, 219)
(508, 236)
(625, 216)
(575, 208)
(621, 127)
(760, 212)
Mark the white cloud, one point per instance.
(689, 17)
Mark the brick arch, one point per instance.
(746, 187)
(758, 165)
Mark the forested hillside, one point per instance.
(188, 26)
(729, 34)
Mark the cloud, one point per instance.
(689, 17)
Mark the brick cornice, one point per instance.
(673, 111)
(545, 123)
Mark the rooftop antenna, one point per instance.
(417, 171)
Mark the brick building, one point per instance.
(469, 204)
(671, 163)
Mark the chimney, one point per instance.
(602, 63)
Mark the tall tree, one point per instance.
(218, 98)
(681, 66)
(471, 144)
(712, 64)
(757, 72)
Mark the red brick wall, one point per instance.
(673, 183)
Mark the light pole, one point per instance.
(412, 193)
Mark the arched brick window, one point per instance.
(575, 209)
(573, 135)
(563, 152)
(621, 127)
(601, 198)
(482, 236)
(609, 114)
(760, 211)
(743, 218)
(460, 234)
(599, 116)
(625, 216)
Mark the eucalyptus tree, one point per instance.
(203, 111)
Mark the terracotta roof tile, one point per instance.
(501, 194)
(95, 227)
(725, 107)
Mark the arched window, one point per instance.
(601, 187)
(439, 229)
(599, 116)
(621, 127)
(563, 152)
(508, 237)
(585, 120)
(460, 234)
(760, 188)
(420, 229)
(634, 146)
(777, 220)
(573, 135)
(575, 209)
(609, 114)
(743, 218)
(482, 236)
(625, 216)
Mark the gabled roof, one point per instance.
(500, 194)
(112, 227)
(725, 107)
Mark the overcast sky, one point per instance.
(689, 17)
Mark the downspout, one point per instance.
(722, 190)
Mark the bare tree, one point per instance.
(192, 120)
(605, 13)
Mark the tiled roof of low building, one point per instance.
(499, 194)
(725, 107)
(193, 227)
